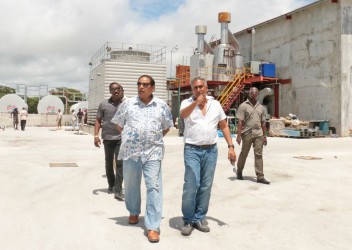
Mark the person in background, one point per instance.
(59, 119)
(23, 117)
(85, 116)
(80, 116)
(251, 130)
(74, 119)
(111, 139)
(143, 121)
(14, 115)
(201, 115)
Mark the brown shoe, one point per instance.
(133, 219)
(153, 236)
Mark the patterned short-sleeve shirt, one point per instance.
(143, 125)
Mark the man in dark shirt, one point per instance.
(111, 138)
(80, 115)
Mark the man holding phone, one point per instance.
(202, 114)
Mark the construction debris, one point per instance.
(290, 126)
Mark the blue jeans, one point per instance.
(200, 167)
(132, 172)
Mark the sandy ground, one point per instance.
(307, 206)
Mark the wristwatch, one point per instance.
(231, 146)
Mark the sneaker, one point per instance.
(110, 190)
(119, 196)
(201, 226)
(187, 229)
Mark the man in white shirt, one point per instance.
(74, 119)
(202, 115)
(23, 117)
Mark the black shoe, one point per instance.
(186, 229)
(239, 175)
(263, 181)
(119, 196)
(110, 190)
(201, 227)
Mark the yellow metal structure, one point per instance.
(233, 89)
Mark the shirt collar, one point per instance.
(138, 101)
(247, 101)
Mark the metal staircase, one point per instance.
(232, 90)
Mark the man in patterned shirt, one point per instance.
(143, 121)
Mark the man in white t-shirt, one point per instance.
(202, 115)
(23, 117)
(74, 119)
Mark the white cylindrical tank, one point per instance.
(79, 105)
(10, 101)
(50, 104)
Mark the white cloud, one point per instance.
(51, 41)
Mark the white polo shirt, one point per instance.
(199, 129)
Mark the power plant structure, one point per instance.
(222, 65)
(300, 61)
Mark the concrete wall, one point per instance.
(35, 120)
(346, 65)
(312, 47)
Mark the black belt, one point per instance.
(201, 146)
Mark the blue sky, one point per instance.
(153, 9)
(50, 42)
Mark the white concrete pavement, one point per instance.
(307, 206)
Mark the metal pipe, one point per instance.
(224, 33)
(252, 48)
(201, 30)
(224, 18)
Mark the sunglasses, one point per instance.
(145, 85)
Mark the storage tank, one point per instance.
(50, 104)
(227, 57)
(10, 101)
(79, 105)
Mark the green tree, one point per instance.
(32, 103)
(6, 90)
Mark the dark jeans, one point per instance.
(23, 124)
(112, 148)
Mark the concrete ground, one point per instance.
(307, 206)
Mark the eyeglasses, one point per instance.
(119, 89)
(198, 87)
(253, 93)
(145, 85)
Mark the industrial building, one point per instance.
(300, 62)
(124, 63)
(310, 49)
